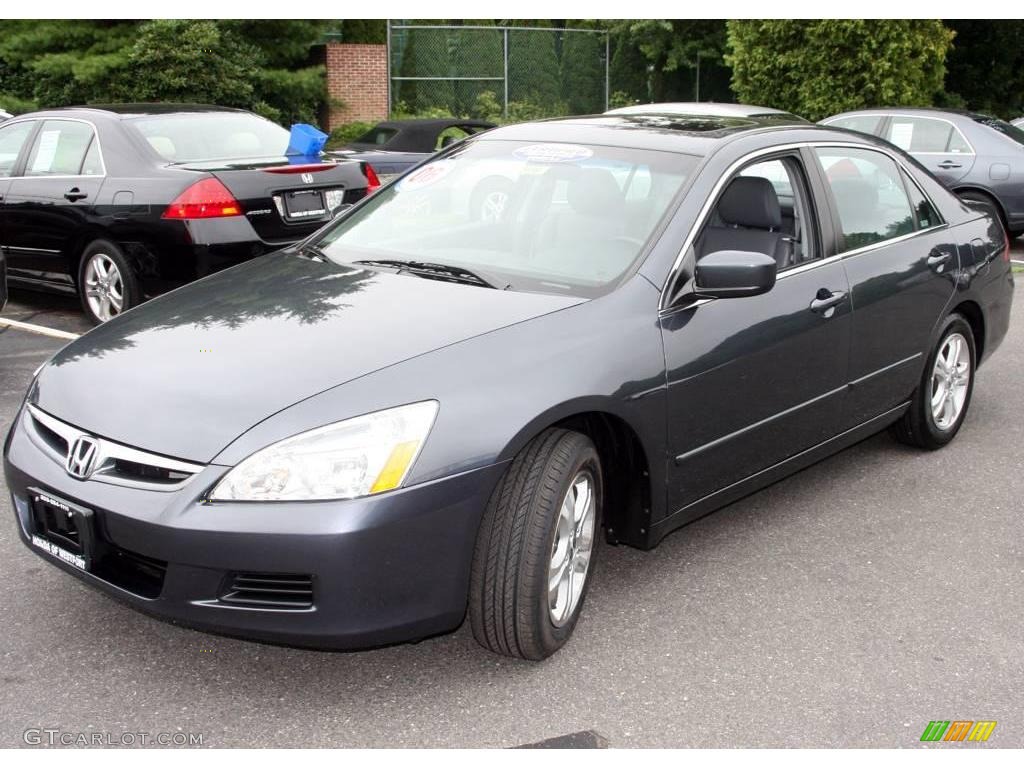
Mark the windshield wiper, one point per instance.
(313, 252)
(428, 268)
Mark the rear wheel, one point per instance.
(535, 549)
(106, 284)
(943, 396)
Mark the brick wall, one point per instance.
(357, 74)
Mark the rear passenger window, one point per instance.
(869, 194)
(920, 134)
(92, 165)
(924, 211)
(59, 149)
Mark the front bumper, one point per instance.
(383, 569)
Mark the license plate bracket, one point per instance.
(62, 528)
(304, 204)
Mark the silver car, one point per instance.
(981, 158)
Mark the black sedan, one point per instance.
(393, 147)
(121, 203)
(417, 414)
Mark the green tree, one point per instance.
(985, 69)
(191, 61)
(816, 68)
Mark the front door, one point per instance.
(753, 381)
(50, 202)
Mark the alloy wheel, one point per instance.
(104, 286)
(951, 377)
(572, 548)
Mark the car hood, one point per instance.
(187, 373)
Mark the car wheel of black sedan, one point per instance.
(108, 286)
(536, 546)
(944, 394)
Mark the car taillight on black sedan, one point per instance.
(206, 199)
(372, 182)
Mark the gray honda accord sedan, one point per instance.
(419, 413)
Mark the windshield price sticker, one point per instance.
(425, 176)
(552, 153)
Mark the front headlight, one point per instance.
(356, 457)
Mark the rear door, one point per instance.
(936, 142)
(901, 266)
(52, 199)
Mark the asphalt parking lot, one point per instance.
(846, 606)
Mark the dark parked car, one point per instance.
(120, 203)
(418, 414)
(979, 157)
(394, 146)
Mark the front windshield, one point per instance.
(200, 136)
(559, 218)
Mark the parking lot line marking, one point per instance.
(1017, 261)
(40, 329)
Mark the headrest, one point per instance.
(594, 192)
(750, 201)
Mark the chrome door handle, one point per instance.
(826, 301)
(949, 164)
(937, 260)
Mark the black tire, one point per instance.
(130, 291)
(509, 603)
(917, 426)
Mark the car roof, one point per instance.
(125, 111)
(432, 122)
(923, 111)
(706, 108)
(687, 134)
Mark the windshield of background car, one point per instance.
(1010, 131)
(198, 136)
(547, 217)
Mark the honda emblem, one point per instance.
(81, 457)
(308, 178)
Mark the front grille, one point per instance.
(147, 472)
(269, 590)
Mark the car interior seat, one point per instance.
(748, 218)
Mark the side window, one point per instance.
(958, 144)
(862, 123)
(920, 134)
(765, 209)
(12, 139)
(59, 149)
(924, 211)
(869, 194)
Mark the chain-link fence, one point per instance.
(497, 72)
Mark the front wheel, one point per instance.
(535, 550)
(940, 403)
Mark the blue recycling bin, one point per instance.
(305, 140)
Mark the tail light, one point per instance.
(206, 199)
(1006, 250)
(372, 182)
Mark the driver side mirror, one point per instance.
(733, 274)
